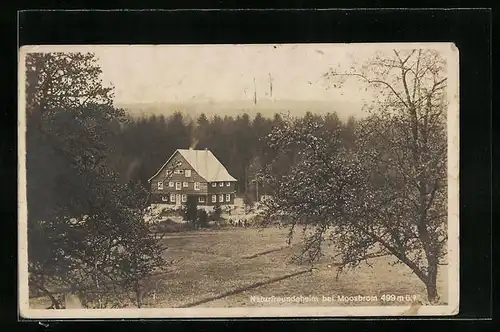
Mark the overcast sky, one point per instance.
(203, 73)
(223, 72)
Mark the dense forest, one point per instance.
(240, 143)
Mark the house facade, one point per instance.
(190, 172)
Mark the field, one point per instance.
(214, 267)
(227, 267)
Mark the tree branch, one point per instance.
(374, 81)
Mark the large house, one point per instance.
(193, 173)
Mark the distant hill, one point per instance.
(232, 108)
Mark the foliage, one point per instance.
(85, 230)
(146, 143)
(376, 187)
(191, 210)
(217, 212)
(202, 217)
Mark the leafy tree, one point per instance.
(386, 196)
(254, 177)
(249, 201)
(191, 210)
(179, 131)
(202, 218)
(349, 132)
(85, 230)
(64, 80)
(201, 132)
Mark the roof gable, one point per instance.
(204, 163)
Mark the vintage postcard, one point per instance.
(215, 181)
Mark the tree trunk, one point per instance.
(426, 241)
(55, 303)
(257, 190)
(137, 293)
(432, 294)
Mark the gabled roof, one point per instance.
(204, 163)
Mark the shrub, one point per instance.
(202, 217)
(216, 214)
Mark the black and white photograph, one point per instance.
(238, 180)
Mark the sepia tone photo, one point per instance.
(266, 180)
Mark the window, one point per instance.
(184, 198)
(196, 186)
(178, 171)
(168, 173)
(214, 184)
(201, 199)
(214, 198)
(164, 198)
(187, 173)
(177, 186)
(160, 185)
(228, 184)
(221, 184)
(221, 198)
(184, 184)
(171, 184)
(228, 197)
(172, 198)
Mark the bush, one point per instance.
(170, 226)
(255, 221)
(191, 210)
(170, 212)
(202, 217)
(217, 212)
